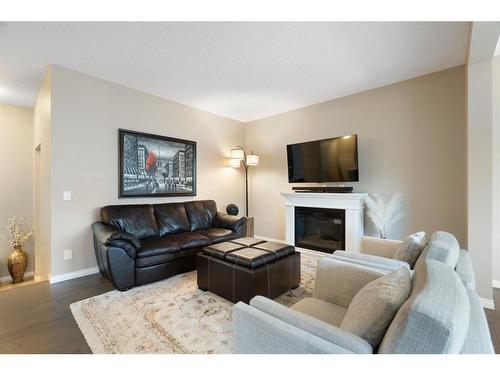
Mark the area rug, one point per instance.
(170, 316)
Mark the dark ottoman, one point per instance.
(239, 270)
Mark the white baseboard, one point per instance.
(8, 278)
(487, 303)
(72, 275)
(496, 284)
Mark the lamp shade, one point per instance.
(238, 154)
(234, 163)
(253, 159)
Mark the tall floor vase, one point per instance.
(16, 263)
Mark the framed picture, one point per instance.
(156, 166)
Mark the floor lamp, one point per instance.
(238, 155)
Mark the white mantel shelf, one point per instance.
(352, 203)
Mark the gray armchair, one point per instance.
(440, 316)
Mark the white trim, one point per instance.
(496, 283)
(72, 275)
(487, 303)
(8, 278)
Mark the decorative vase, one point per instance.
(16, 263)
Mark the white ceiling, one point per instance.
(244, 71)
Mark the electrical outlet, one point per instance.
(67, 195)
(68, 254)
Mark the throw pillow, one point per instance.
(375, 305)
(410, 249)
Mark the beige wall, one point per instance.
(42, 177)
(411, 140)
(86, 115)
(16, 166)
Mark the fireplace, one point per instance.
(320, 229)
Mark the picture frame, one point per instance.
(152, 165)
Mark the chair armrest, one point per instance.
(338, 281)
(256, 332)
(108, 235)
(382, 263)
(379, 246)
(312, 325)
(465, 270)
(230, 222)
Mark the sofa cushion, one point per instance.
(374, 306)
(136, 219)
(442, 247)
(171, 218)
(156, 250)
(218, 234)
(157, 245)
(188, 240)
(322, 310)
(201, 214)
(410, 249)
(435, 318)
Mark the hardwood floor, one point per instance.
(493, 317)
(37, 319)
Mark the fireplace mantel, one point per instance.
(352, 204)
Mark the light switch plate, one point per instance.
(67, 195)
(68, 254)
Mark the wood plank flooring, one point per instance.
(37, 319)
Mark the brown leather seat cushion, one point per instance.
(247, 241)
(157, 245)
(218, 234)
(189, 239)
(220, 250)
(157, 250)
(280, 249)
(250, 257)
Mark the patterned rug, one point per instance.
(170, 316)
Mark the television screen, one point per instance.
(327, 160)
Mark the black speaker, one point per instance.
(232, 209)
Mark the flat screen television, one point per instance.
(326, 160)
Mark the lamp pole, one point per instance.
(246, 184)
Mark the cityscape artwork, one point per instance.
(156, 166)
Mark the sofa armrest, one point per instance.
(230, 222)
(328, 332)
(382, 263)
(338, 281)
(256, 332)
(378, 246)
(109, 235)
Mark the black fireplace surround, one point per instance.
(139, 244)
(320, 229)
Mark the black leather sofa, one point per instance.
(140, 244)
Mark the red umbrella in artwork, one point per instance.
(151, 163)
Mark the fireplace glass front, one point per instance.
(321, 229)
